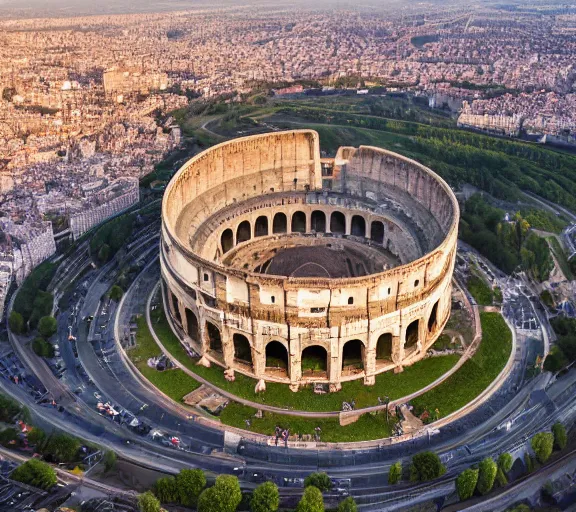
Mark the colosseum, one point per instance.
(293, 268)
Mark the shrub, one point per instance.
(560, 438)
(42, 348)
(224, 496)
(348, 505)
(165, 489)
(466, 483)
(542, 444)
(147, 502)
(110, 460)
(395, 473)
(189, 483)
(501, 478)
(47, 326)
(529, 463)
(35, 473)
(487, 475)
(62, 447)
(426, 466)
(319, 480)
(311, 500)
(16, 322)
(265, 498)
(116, 293)
(505, 462)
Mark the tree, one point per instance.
(224, 496)
(36, 437)
(555, 360)
(348, 505)
(104, 253)
(63, 447)
(395, 473)
(466, 483)
(529, 462)
(501, 478)
(35, 473)
(16, 322)
(42, 348)
(542, 444)
(426, 466)
(147, 502)
(487, 475)
(311, 500)
(560, 438)
(189, 485)
(47, 326)
(116, 293)
(8, 435)
(319, 480)
(165, 490)
(110, 460)
(505, 462)
(265, 498)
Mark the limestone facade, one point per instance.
(230, 207)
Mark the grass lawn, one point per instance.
(480, 290)
(412, 379)
(476, 374)
(368, 426)
(444, 342)
(175, 383)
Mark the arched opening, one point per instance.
(280, 223)
(244, 232)
(242, 350)
(433, 319)
(214, 338)
(352, 356)
(412, 336)
(358, 226)
(338, 223)
(227, 240)
(318, 221)
(192, 322)
(377, 232)
(314, 362)
(277, 359)
(261, 226)
(299, 222)
(177, 316)
(384, 348)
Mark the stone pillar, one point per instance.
(227, 348)
(348, 228)
(294, 363)
(308, 221)
(258, 359)
(398, 349)
(369, 366)
(182, 310)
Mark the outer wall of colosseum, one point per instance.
(232, 206)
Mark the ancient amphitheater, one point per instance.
(293, 268)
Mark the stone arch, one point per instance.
(338, 223)
(176, 308)
(298, 222)
(353, 355)
(358, 226)
(412, 335)
(433, 318)
(318, 221)
(277, 359)
(214, 337)
(314, 361)
(242, 349)
(280, 223)
(377, 232)
(243, 232)
(261, 226)
(192, 321)
(384, 348)
(227, 240)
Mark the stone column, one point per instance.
(294, 363)
(227, 348)
(182, 311)
(258, 358)
(369, 366)
(398, 350)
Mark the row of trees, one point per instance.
(33, 301)
(188, 488)
(564, 351)
(481, 479)
(508, 245)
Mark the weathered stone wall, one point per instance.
(232, 316)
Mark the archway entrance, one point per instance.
(227, 240)
(277, 359)
(318, 221)
(433, 319)
(244, 232)
(384, 349)
(412, 337)
(352, 356)
(261, 226)
(280, 223)
(377, 232)
(314, 362)
(177, 316)
(358, 226)
(192, 322)
(338, 223)
(214, 337)
(299, 222)
(242, 350)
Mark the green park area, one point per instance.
(460, 388)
